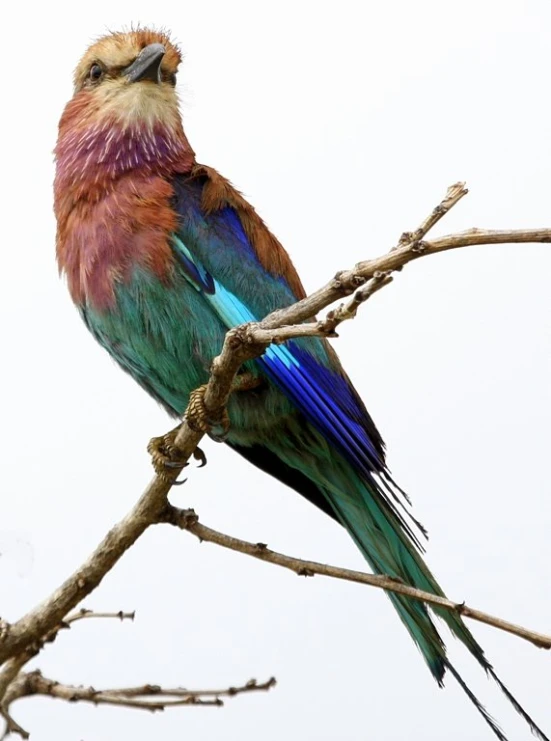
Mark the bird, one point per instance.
(162, 256)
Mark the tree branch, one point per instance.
(13, 666)
(86, 614)
(150, 697)
(241, 344)
(187, 519)
(11, 673)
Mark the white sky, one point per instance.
(343, 122)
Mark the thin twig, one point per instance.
(347, 281)
(187, 519)
(241, 344)
(50, 614)
(13, 666)
(455, 193)
(146, 697)
(11, 673)
(84, 614)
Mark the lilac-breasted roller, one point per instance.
(162, 256)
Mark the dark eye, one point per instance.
(95, 72)
(172, 79)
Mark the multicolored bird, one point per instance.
(162, 256)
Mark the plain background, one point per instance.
(343, 122)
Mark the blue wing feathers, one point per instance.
(219, 262)
(219, 243)
(301, 370)
(199, 278)
(297, 372)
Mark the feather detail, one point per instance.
(100, 245)
(332, 444)
(219, 193)
(117, 50)
(162, 256)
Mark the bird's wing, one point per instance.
(220, 257)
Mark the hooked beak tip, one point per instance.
(147, 65)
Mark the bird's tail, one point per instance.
(389, 550)
(390, 547)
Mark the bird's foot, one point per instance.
(201, 420)
(166, 456)
(216, 426)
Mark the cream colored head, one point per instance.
(127, 77)
(124, 115)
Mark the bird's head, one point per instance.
(130, 77)
(124, 113)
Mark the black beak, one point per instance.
(147, 65)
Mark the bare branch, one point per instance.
(48, 615)
(13, 666)
(187, 519)
(8, 675)
(241, 344)
(347, 281)
(150, 697)
(11, 674)
(453, 196)
(84, 614)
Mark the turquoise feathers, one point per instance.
(163, 256)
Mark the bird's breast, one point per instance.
(105, 233)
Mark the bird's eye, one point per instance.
(95, 72)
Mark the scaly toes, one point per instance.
(165, 456)
(200, 420)
(196, 413)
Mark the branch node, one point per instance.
(336, 283)
(238, 336)
(419, 247)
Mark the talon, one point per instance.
(198, 417)
(199, 455)
(219, 433)
(164, 454)
(174, 464)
